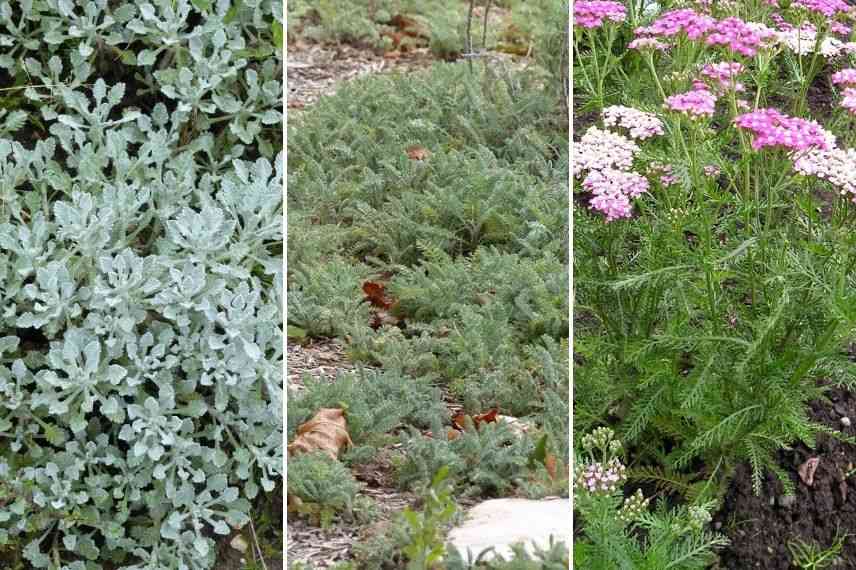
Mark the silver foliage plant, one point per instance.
(140, 278)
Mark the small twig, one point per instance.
(256, 545)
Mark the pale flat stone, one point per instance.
(503, 522)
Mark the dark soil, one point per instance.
(761, 527)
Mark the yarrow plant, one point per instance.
(719, 316)
(697, 104)
(613, 190)
(724, 75)
(640, 124)
(739, 37)
(683, 21)
(593, 13)
(771, 128)
(606, 158)
(828, 8)
(599, 149)
(836, 166)
(609, 519)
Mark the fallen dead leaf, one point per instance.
(807, 469)
(519, 427)
(418, 153)
(327, 432)
(550, 464)
(459, 421)
(376, 294)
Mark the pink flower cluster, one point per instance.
(600, 149)
(836, 166)
(737, 35)
(840, 29)
(640, 124)
(781, 23)
(846, 77)
(613, 189)
(724, 74)
(675, 22)
(775, 129)
(599, 478)
(745, 38)
(592, 13)
(698, 103)
(828, 8)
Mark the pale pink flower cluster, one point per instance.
(846, 77)
(780, 22)
(599, 149)
(606, 158)
(593, 13)
(849, 100)
(665, 173)
(712, 170)
(840, 29)
(724, 74)
(597, 478)
(647, 43)
(836, 166)
(803, 40)
(612, 190)
(640, 125)
(771, 128)
(828, 8)
(699, 103)
(737, 36)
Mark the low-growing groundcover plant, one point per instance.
(713, 231)
(140, 278)
(441, 195)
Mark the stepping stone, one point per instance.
(500, 523)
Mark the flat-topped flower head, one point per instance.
(828, 8)
(771, 128)
(724, 75)
(640, 124)
(645, 43)
(698, 103)
(593, 13)
(599, 149)
(840, 29)
(836, 166)
(612, 190)
(803, 41)
(675, 22)
(600, 478)
(846, 77)
(737, 36)
(849, 100)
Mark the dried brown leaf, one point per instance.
(326, 432)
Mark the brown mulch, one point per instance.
(318, 358)
(315, 70)
(305, 542)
